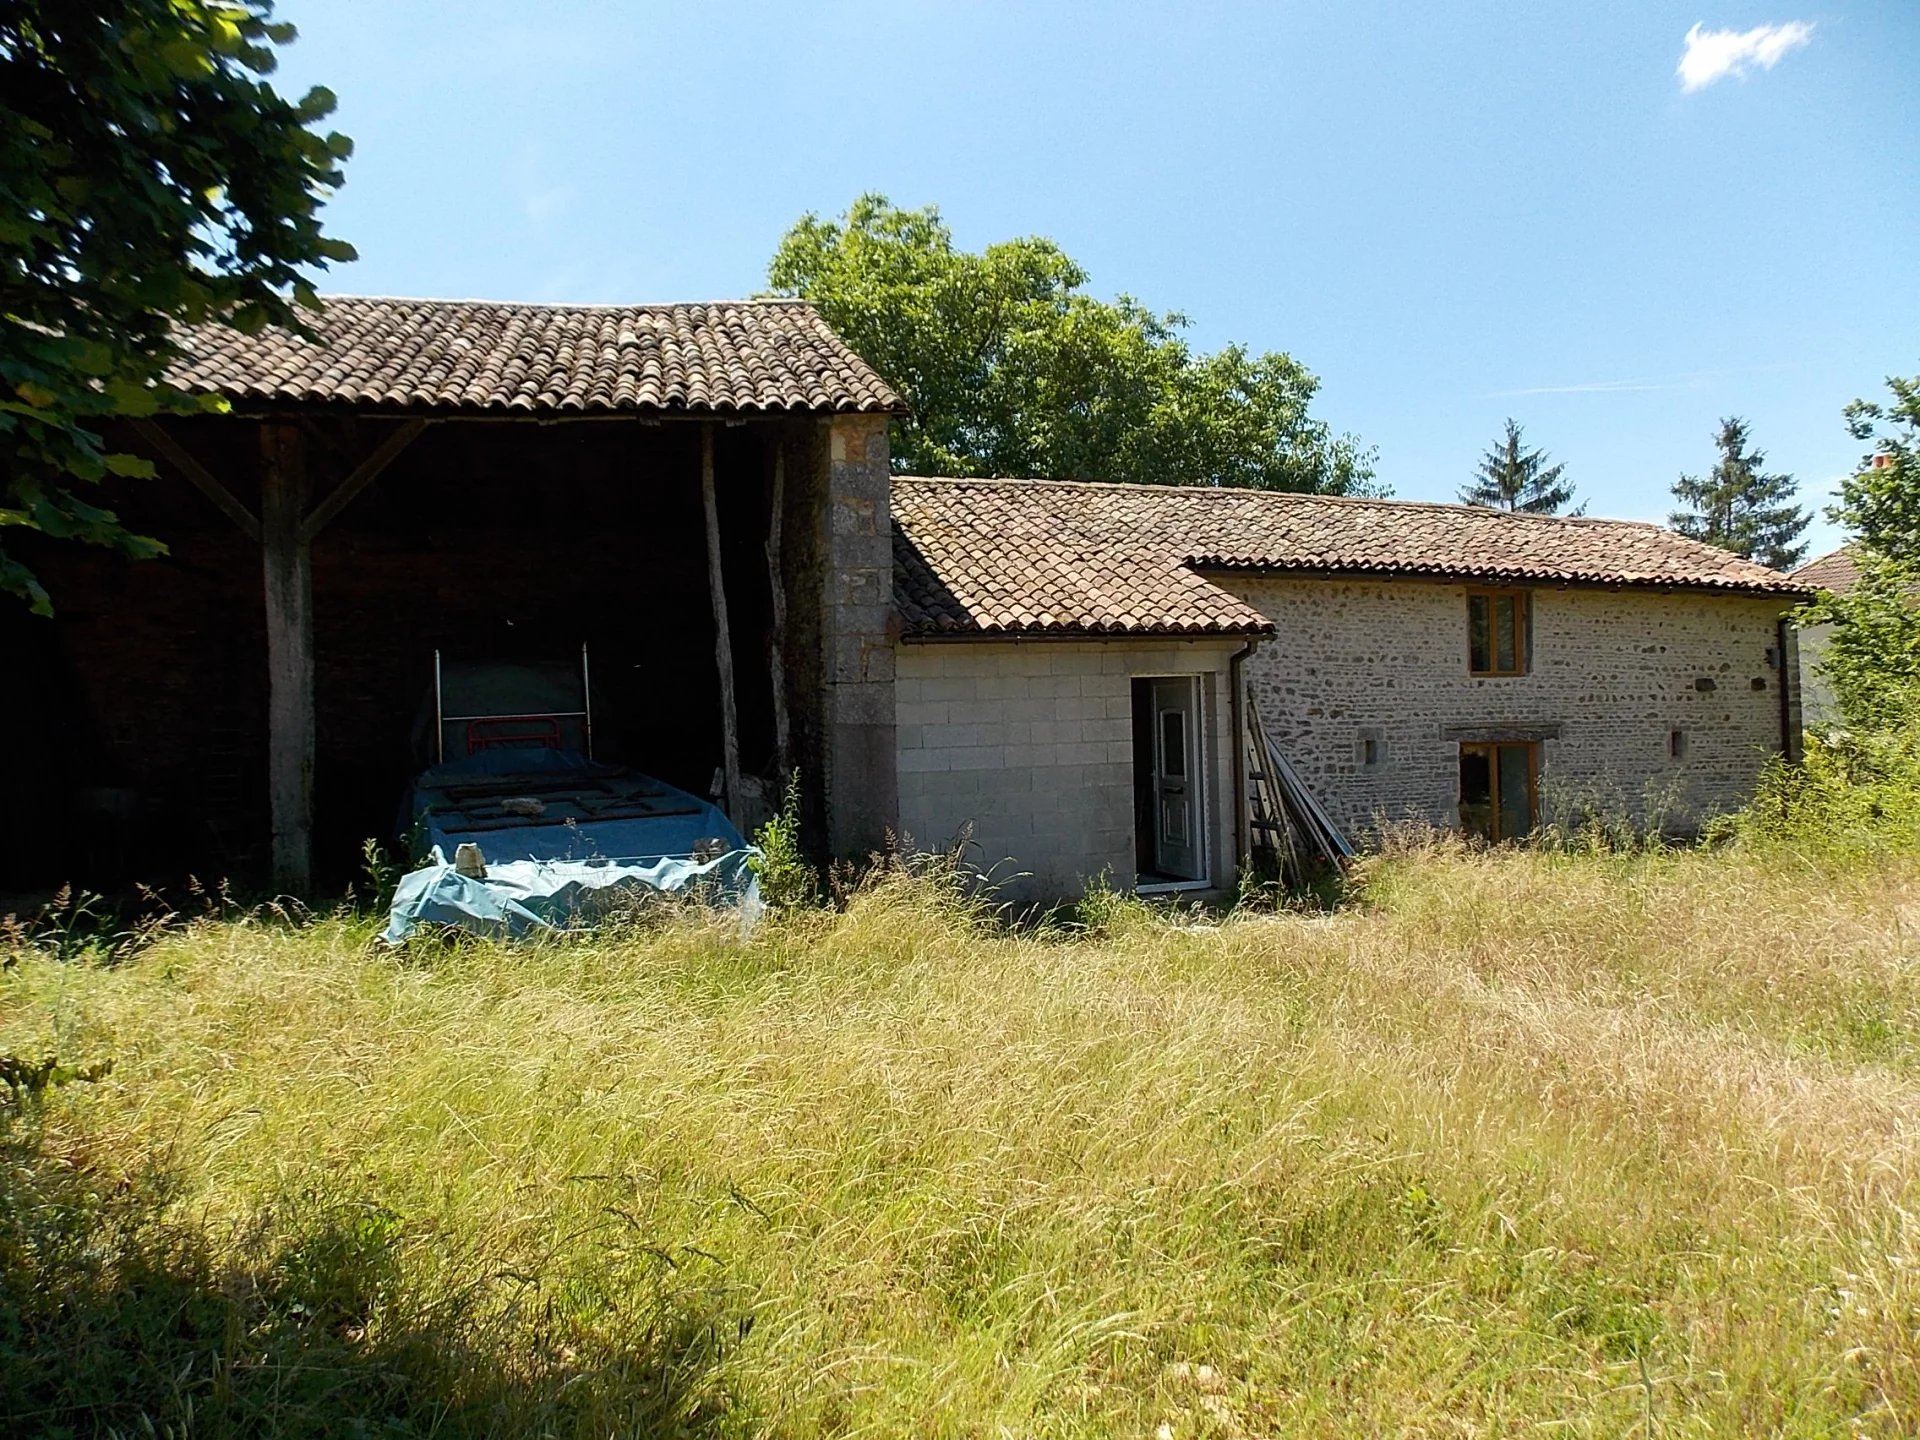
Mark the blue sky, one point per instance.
(1451, 213)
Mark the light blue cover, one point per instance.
(602, 832)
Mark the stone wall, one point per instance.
(1028, 748)
(858, 634)
(1614, 674)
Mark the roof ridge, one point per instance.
(993, 556)
(569, 305)
(1450, 507)
(514, 357)
(1849, 548)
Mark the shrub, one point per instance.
(787, 881)
(1855, 791)
(1873, 659)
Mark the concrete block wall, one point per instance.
(1029, 746)
(1615, 671)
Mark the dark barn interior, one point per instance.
(137, 717)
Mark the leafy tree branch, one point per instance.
(150, 178)
(1013, 369)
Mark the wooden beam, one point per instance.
(288, 574)
(777, 634)
(722, 637)
(363, 475)
(200, 477)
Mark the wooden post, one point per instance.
(288, 572)
(722, 637)
(777, 636)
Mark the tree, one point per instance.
(1880, 501)
(1013, 369)
(1738, 507)
(149, 180)
(1512, 477)
(1873, 658)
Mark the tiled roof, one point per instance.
(477, 356)
(1012, 556)
(1837, 570)
(1062, 557)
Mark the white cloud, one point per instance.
(1712, 54)
(543, 199)
(545, 203)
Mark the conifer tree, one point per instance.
(1512, 477)
(1738, 507)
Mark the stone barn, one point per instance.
(478, 480)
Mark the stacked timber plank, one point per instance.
(1292, 834)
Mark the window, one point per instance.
(1497, 783)
(1677, 744)
(1497, 632)
(1173, 744)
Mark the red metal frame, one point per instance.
(542, 730)
(549, 736)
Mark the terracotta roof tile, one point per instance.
(471, 355)
(1062, 557)
(1837, 570)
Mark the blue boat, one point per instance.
(520, 830)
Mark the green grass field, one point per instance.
(1516, 1143)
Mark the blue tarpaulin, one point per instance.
(564, 839)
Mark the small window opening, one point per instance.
(1497, 632)
(1369, 747)
(1677, 744)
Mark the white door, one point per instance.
(1176, 779)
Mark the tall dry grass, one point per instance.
(1589, 1145)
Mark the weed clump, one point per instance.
(787, 879)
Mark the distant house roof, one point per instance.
(988, 557)
(475, 356)
(1837, 570)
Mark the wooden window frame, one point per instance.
(1522, 632)
(1492, 749)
